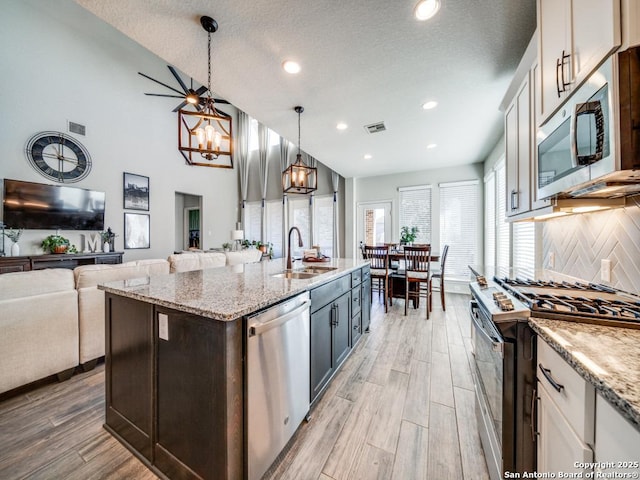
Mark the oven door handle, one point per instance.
(496, 345)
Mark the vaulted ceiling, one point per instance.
(363, 62)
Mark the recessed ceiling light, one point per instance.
(342, 126)
(425, 9)
(430, 104)
(291, 67)
(367, 156)
(432, 145)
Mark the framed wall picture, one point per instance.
(135, 191)
(137, 230)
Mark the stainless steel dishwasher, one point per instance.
(278, 379)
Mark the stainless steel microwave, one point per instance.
(591, 146)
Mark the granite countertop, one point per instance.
(607, 357)
(227, 293)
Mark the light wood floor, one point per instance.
(402, 407)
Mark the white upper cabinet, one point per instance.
(574, 38)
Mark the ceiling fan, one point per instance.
(189, 95)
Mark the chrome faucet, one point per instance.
(289, 263)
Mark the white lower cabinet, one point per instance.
(617, 447)
(559, 447)
(566, 406)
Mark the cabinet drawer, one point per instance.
(572, 394)
(329, 291)
(366, 272)
(356, 300)
(356, 277)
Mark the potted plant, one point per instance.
(226, 246)
(408, 234)
(263, 246)
(55, 244)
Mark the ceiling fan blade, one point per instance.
(222, 100)
(175, 74)
(160, 83)
(163, 95)
(201, 90)
(183, 104)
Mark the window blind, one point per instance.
(415, 210)
(524, 248)
(253, 221)
(503, 232)
(490, 219)
(459, 210)
(323, 224)
(274, 226)
(299, 217)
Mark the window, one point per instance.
(415, 210)
(299, 217)
(273, 138)
(503, 232)
(323, 224)
(524, 248)
(490, 219)
(459, 226)
(274, 226)
(253, 221)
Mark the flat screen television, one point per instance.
(46, 207)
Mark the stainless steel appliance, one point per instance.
(591, 146)
(505, 357)
(278, 379)
(505, 378)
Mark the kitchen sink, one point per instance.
(297, 274)
(318, 269)
(306, 272)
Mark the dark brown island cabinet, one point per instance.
(178, 404)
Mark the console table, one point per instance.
(58, 260)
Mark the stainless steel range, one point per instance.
(505, 356)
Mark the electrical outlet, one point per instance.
(552, 259)
(605, 270)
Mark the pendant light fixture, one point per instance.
(204, 135)
(298, 177)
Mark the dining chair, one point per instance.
(378, 256)
(439, 275)
(394, 265)
(417, 276)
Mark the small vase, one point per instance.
(15, 250)
(106, 248)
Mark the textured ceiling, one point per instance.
(363, 61)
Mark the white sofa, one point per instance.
(249, 255)
(91, 300)
(185, 262)
(39, 331)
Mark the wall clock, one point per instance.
(58, 157)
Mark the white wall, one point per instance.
(59, 64)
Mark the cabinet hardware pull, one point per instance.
(558, 67)
(514, 200)
(534, 397)
(547, 374)
(565, 56)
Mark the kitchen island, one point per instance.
(176, 356)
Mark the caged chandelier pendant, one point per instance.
(298, 177)
(205, 135)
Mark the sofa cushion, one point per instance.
(185, 262)
(249, 255)
(35, 282)
(92, 275)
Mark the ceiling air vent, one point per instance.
(375, 127)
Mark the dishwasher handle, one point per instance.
(260, 328)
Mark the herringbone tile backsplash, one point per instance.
(581, 241)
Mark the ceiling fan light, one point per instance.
(426, 9)
(192, 98)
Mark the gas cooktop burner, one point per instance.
(574, 300)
